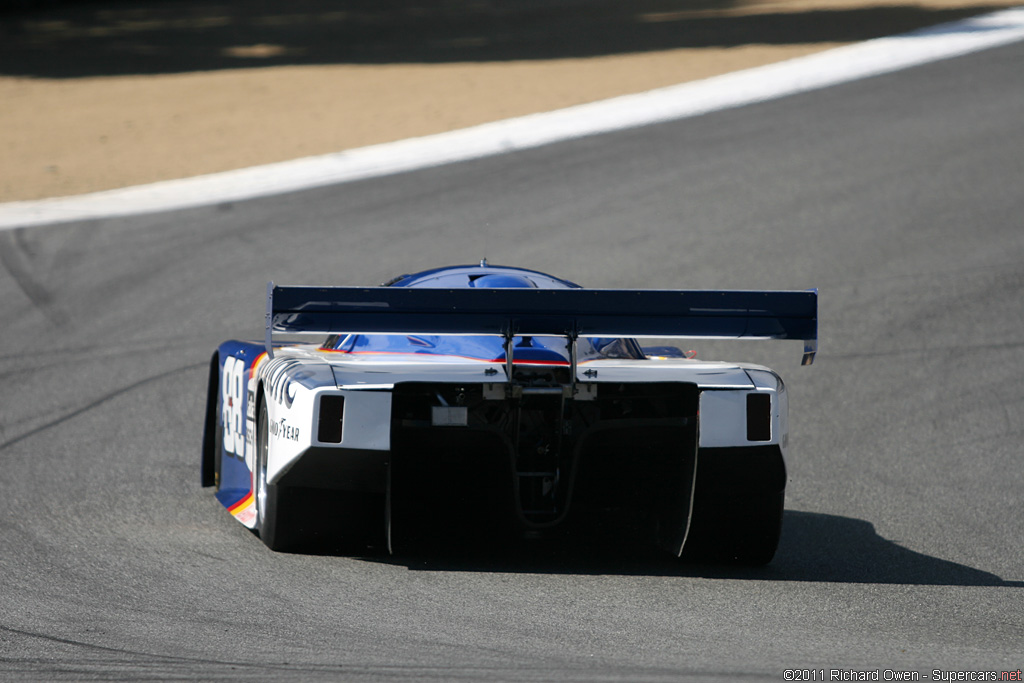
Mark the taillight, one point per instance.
(332, 412)
(759, 417)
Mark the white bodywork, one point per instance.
(297, 375)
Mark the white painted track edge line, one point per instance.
(759, 84)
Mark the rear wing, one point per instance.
(572, 313)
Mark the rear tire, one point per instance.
(737, 505)
(736, 531)
(276, 527)
(290, 518)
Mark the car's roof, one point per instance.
(458, 277)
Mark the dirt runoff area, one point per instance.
(100, 95)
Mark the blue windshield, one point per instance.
(486, 348)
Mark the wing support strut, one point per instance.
(268, 332)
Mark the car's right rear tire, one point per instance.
(745, 533)
(738, 507)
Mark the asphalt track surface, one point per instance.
(898, 196)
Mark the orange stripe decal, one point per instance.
(241, 504)
(256, 363)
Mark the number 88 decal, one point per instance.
(232, 388)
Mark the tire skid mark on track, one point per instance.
(137, 657)
(100, 401)
(22, 263)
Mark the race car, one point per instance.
(492, 403)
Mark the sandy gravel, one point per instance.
(67, 126)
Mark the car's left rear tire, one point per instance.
(275, 523)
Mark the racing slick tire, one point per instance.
(748, 535)
(738, 506)
(274, 523)
(300, 518)
(745, 533)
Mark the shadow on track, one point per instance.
(79, 38)
(814, 547)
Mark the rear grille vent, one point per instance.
(332, 412)
(759, 417)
